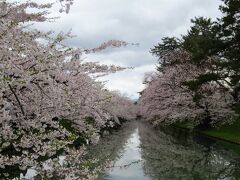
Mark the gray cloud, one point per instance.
(142, 21)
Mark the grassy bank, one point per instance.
(229, 132)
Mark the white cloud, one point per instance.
(142, 21)
(128, 82)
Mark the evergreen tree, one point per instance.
(229, 33)
(214, 46)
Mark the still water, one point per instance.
(140, 152)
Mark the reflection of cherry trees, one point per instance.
(92, 162)
(165, 153)
(169, 157)
(110, 148)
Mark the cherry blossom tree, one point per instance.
(48, 93)
(65, 5)
(167, 99)
(120, 106)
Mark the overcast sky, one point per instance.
(137, 21)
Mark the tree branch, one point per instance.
(15, 95)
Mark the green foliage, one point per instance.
(197, 97)
(168, 44)
(90, 120)
(88, 164)
(236, 107)
(13, 171)
(79, 141)
(194, 85)
(67, 124)
(162, 49)
(201, 40)
(185, 125)
(46, 157)
(79, 138)
(229, 132)
(229, 32)
(11, 151)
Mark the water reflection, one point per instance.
(172, 154)
(141, 152)
(130, 165)
(122, 151)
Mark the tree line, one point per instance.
(198, 74)
(51, 101)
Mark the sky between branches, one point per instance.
(137, 21)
